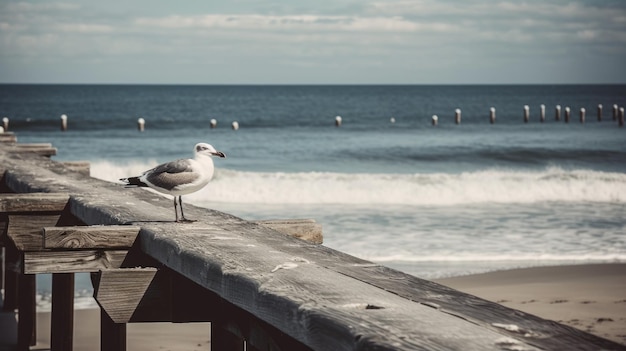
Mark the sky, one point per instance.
(313, 42)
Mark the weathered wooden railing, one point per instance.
(256, 286)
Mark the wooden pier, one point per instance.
(260, 288)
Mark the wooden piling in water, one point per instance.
(457, 116)
(5, 123)
(492, 115)
(542, 113)
(213, 123)
(526, 113)
(600, 113)
(621, 116)
(567, 114)
(141, 124)
(63, 123)
(582, 115)
(615, 112)
(338, 121)
(235, 125)
(557, 113)
(434, 120)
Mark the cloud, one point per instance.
(400, 39)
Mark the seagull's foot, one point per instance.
(185, 220)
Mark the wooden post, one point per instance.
(492, 115)
(526, 113)
(338, 121)
(64, 122)
(5, 123)
(567, 114)
(557, 113)
(457, 116)
(435, 119)
(112, 335)
(615, 111)
(235, 125)
(600, 113)
(542, 113)
(62, 317)
(621, 116)
(392, 120)
(213, 123)
(26, 324)
(141, 124)
(11, 279)
(223, 340)
(582, 115)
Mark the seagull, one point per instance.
(180, 177)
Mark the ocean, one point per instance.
(433, 201)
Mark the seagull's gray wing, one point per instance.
(172, 174)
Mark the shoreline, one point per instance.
(590, 297)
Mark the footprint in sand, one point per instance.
(558, 301)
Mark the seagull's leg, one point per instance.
(180, 201)
(175, 210)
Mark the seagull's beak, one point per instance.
(218, 153)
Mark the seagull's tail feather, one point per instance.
(133, 182)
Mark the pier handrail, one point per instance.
(320, 298)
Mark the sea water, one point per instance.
(431, 201)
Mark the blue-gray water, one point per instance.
(432, 201)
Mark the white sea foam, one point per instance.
(488, 186)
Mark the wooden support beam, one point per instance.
(118, 291)
(304, 229)
(71, 261)
(8, 137)
(11, 278)
(62, 316)
(112, 335)
(25, 230)
(33, 202)
(26, 324)
(90, 237)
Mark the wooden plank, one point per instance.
(8, 137)
(11, 278)
(62, 315)
(71, 261)
(90, 237)
(33, 202)
(42, 149)
(25, 230)
(82, 167)
(119, 291)
(303, 229)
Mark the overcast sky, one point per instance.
(313, 42)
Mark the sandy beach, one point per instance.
(589, 297)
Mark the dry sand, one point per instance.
(589, 297)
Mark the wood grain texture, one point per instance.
(119, 291)
(303, 229)
(8, 137)
(71, 261)
(33, 202)
(90, 237)
(25, 230)
(323, 298)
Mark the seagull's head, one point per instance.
(207, 150)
